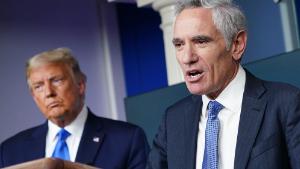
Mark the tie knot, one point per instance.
(214, 108)
(63, 134)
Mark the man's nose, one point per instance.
(189, 56)
(49, 90)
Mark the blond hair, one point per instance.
(59, 55)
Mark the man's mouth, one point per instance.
(194, 74)
(53, 105)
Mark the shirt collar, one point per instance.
(231, 97)
(73, 128)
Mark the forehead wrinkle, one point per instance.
(195, 31)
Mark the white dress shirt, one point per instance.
(75, 129)
(231, 98)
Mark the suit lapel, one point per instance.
(191, 119)
(252, 112)
(91, 140)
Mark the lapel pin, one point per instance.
(96, 139)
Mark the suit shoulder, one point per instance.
(184, 102)
(21, 136)
(111, 124)
(281, 89)
(182, 105)
(281, 95)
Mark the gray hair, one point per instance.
(227, 17)
(59, 55)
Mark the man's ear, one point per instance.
(30, 90)
(82, 86)
(239, 45)
(33, 95)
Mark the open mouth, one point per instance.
(194, 73)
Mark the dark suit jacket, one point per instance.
(268, 134)
(120, 145)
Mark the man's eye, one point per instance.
(57, 81)
(201, 41)
(38, 87)
(178, 45)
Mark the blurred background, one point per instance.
(123, 46)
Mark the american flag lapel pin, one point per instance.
(96, 139)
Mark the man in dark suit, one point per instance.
(71, 132)
(232, 119)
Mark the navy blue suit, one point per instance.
(268, 133)
(120, 145)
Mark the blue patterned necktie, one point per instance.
(210, 159)
(61, 149)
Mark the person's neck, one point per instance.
(214, 95)
(64, 121)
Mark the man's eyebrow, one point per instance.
(36, 83)
(176, 40)
(202, 38)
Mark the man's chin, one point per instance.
(56, 115)
(195, 89)
(58, 120)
